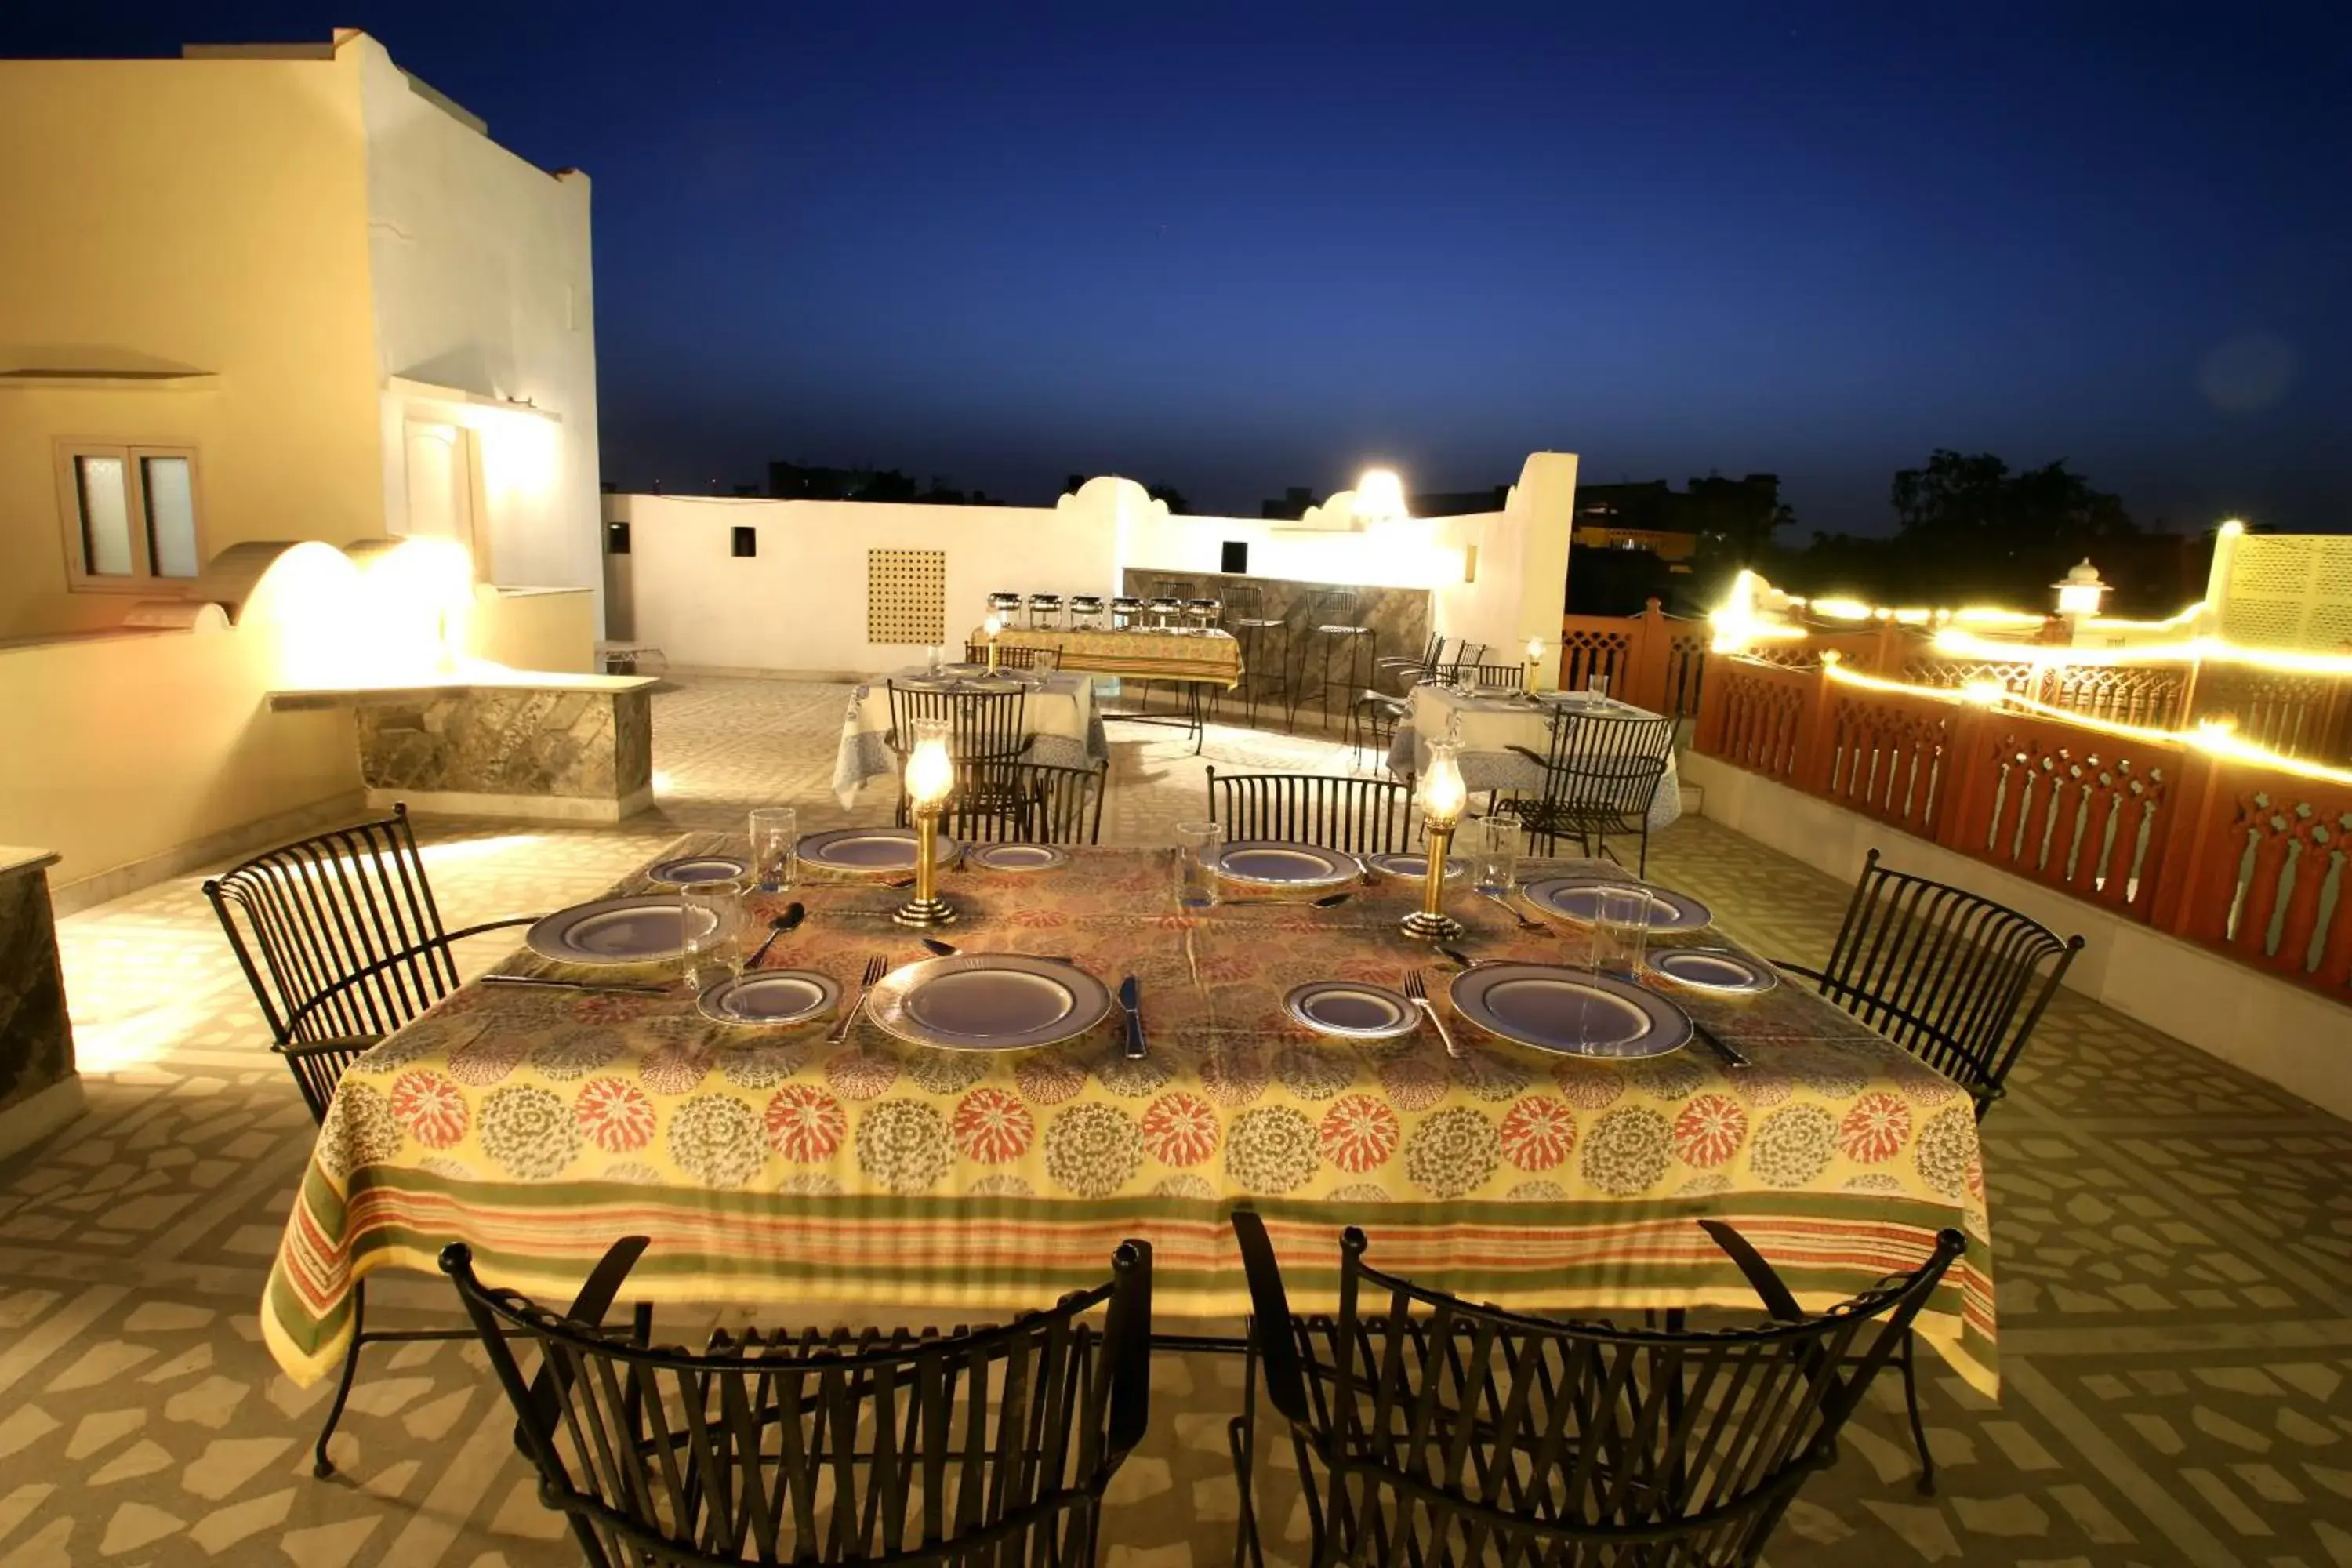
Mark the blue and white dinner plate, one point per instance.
(1351, 1010)
(1576, 896)
(772, 997)
(869, 851)
(1279, 863)
(688, 869)
(1705, 969)
(1569, 1012)
(1017, 857)
(1413, 867)
(647, 929)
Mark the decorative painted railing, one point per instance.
(2252, 858)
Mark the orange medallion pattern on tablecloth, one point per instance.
(1181, 1129)
(993, 1126)
(1358, 1134)
(1710, 1130)
(804, 1123)
(430, 1108)
(614, 1115)
(1539, 1132)
(1875, 1130)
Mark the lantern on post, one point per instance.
(2079, 593)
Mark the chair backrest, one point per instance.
(980, 724)
(1509, 677)
(1244, 603)
(1010, 657)
(1434, 1430)
(1361, 816)
(1466, 653)
(880, 1448)
(1334, 607)
(1034, 803)
(1607, 764)
(1953, 978)
(338, 933)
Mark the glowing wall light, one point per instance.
(1379, 496)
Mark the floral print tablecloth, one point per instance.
(539, 1124)
(1137, 653)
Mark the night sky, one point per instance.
(1233, 250)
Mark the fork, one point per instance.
(873, 970)
(1418, 995)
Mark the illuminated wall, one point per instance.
(259, 254)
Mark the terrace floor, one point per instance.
(2174, 1254)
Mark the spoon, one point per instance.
(1332, 901)
(1460, 957)
(1503, 904)
(794, 914)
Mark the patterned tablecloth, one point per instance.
(1213, 658)
(538, 1124)
(1491, 726)
(1065, 728)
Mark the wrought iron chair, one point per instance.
(1432, 1429)
(1033, 802)
(1359, 816)
(1041, 660)
(1246, 617)
(983, 726)
(891, 1447)
(1334, 624)
(1952, 977)
(342, 942)
(1601, 774)
(1372, 720)
(1955, 979)
(1414, 672)
(1494, 677)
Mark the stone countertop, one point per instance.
(325, 697)
(16, 860)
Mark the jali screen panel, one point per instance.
(907, 597)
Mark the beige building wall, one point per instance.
(205, 215)
(484, 316)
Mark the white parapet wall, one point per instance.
(2292, 1037)
(799, 604)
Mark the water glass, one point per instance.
(1621, 933)
(1196, 845)
(1598, 687)
(934, 657)
(712, 949)
(1493, 843)
(775, 849)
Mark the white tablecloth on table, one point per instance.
(1490, 726)
(1063, 725)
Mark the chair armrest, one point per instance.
(1270, 1324)
(595, 1297)
(500, 923)
(303, 1050)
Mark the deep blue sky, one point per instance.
(1236, 248)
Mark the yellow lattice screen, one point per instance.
(907, 597)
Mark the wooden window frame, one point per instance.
(143, 577)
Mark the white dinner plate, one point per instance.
(688, 869)
(1413, 867)
(1352, 1011)
(1725, 974)
(988, 1001)
(1569, 1012)
(770, 996)
(870, 851)
(1017, 857)
(1576, 896)
(1276, 863)
(644, 929)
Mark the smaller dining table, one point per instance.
(1491, 724)
(1063, 726)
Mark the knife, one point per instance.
(1130, 1000)
(571, 984)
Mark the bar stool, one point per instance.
(1333, 625)
(1246, 617)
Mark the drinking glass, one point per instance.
(1196, 844)
(1494, 846)
(933, 657)
(712, 915)
(775, 848)
(1598, 685)
(1621, 933)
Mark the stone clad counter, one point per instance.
(40, 1091)
(1400, 619)
(563, 748)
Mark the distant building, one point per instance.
(1668, 523)
(280, 292)
(1294, 504)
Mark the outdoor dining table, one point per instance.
(1491, 725)
(1065, 728)
(875, 1177)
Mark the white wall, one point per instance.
(799, 605)
(480, 269)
